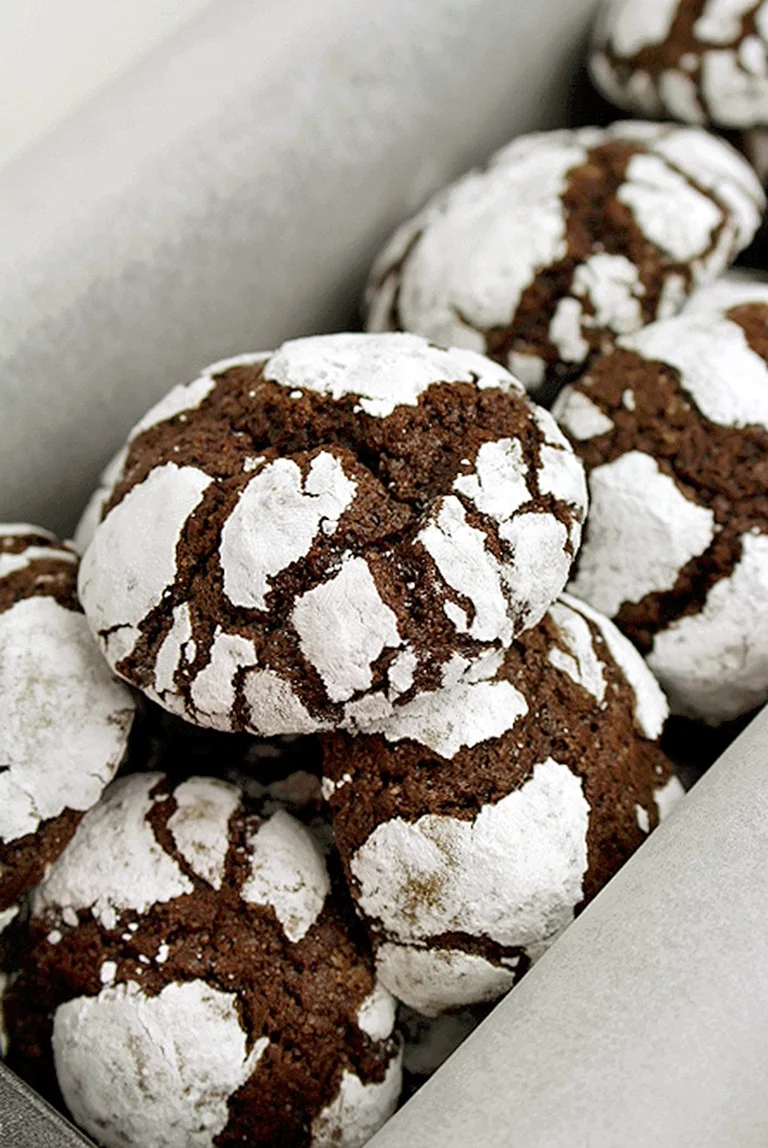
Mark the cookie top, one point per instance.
(699, 61)
(64, 720)
(324, 528)
(474, 825)
(673, 429)
(179, 919)
(565, 240)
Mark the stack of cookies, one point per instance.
(363, 538)
(346, 700)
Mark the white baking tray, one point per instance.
(227, 193)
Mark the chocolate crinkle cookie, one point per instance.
(324, 529)
(64, 719)
(565, 240)
(193, 977)
(700, 61)
(673, 429)
(478, 820)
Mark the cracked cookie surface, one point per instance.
(192, 978)
(305, 539)
(566, 240)
(699, 61)
(673, 430)
(64, 719)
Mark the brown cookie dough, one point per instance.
(673, 429)
(699, 61)
(192, 979)
(566, 240)
(64, 720)
(475, 824)
(305, 539)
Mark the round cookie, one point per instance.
(673, 430)
(565, 240)
(64, 720)
(323, 529)
(192, 979)
(699, 61)
(480, 819)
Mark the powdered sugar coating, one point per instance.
(699, 63)
(464, 713)
(343, 626)
(384, 373)
(642, 531)
(114, 862)
(538, 544)
(274, 707)
(668, 797)
(10, 563)
(465, 230)
(651, 184)
(580, 417)
(674, 549)
(287, 586)
(178, 647)
(513, 874)
(714, 664)
(174, 1061)
(737, 287)
(562, 476)
(276, 520)
(376, 1015)
(581, 663)
(156, 511)
(460, 554)
(433, 980)
(286, 871)
(214, 691)
(613, 286)
(651, 708)
(199, 937)
(469, 845)
(358, 1110)
(200, 825)
(724, 377)
(65, 720)
(498, 486)
(178, 401)
(461, 271)
(631, 34)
